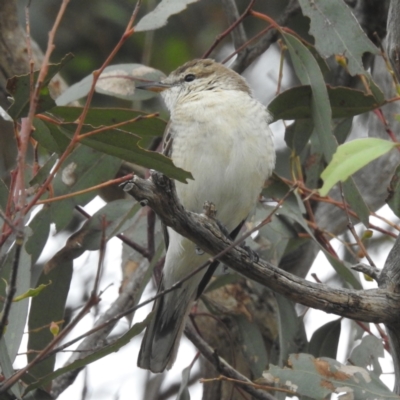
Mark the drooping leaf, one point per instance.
(19, 311)
(367, 353)
(116, 80)
(183, 392)
(159, 16)
(325, 340)
(20, 87)
(40, 226)
(46, 308)
(115, 346)
(7, 370)
(317, 378)
(337, 32)
(296, 102)
(350, 157)
(252, 344)
(292, 333)
(309, 73)
(3, 196)
(393, 198)
(125, 146)
(356, 201)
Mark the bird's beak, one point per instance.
(154, 86)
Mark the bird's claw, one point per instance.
(209, 209)
(254, 257)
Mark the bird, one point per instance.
(220, 133)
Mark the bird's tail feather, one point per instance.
(161, 340)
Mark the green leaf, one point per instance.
(183, 392)
(116, 80)
(19, 311)
(98, 117)
(318, 378)
(356, 201)
(159, 16)
(393, 198)
(44, 171)
(3, 196)
(40, 227)
(48, 307)
(292, 334)
(49, 136)
(82, 169)
(298, 134)
(7, 370)
(252, 344)
(125, 146)
(350, 157)
(325, 340)
(115, 346)
(337, 32)
(32, 292)
(343, 129)
(296, 103)
(367, 353)
(309, 73)
(20, 87)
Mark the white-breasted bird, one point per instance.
(219, 132)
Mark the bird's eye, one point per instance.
(190, 78)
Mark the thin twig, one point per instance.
(91, 189)
(229, 30)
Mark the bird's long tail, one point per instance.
(161, 340)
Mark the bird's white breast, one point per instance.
(223, 139)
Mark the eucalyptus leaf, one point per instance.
(159, 16)
(350, 157)
(116, 80)
(337, 32)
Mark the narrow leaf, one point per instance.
(116, 80)
(393, 198)
(159, 16)
(350, 157)
(309, 73)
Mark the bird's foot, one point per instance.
(254, 257)
(209, 210)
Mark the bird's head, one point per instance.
(199, 75)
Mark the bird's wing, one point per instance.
(167, 150)
(213, 266)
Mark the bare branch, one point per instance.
(222, 366)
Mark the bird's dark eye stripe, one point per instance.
(190, 77)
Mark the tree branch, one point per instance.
(222, 366)
(380, 305)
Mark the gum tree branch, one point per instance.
(378, 305)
